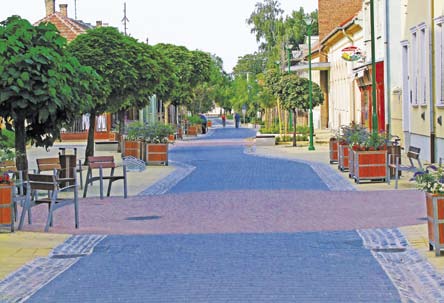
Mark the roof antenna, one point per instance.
(75, 9)
(125, 19)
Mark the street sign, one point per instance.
(244, 109)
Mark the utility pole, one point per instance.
(125, 19)
(75, 9)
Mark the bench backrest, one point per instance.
(48, 164)
(101, 161)
(42, 182)
(413, 152)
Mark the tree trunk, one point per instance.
(89, 151)
(121, 118)
(294, 127)
(21, 159)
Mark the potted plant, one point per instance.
(431, 181)
(156, 143)
(133, 140)
(349, 135)
(195, 125)
(7, 156)
(369, 159)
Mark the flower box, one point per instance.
(343, 153)
(333, 144)
(156, 154)
(6, 206)
(133, 148)
(435, 221)
(192, 130)
(369, 165)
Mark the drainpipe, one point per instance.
(432, 84)
(387, 70)
(352, 87)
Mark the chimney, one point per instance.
(64, 10)
(99, 23)
(50, 7)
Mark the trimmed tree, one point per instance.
(39, 83)
(294, 94)
(128, 68)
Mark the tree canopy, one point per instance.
(40, 83)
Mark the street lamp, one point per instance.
(289, 47)
(309, 21)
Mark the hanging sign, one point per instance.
(352, 53)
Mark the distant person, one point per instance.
(204, 123)
(237, 120)
(223, 120)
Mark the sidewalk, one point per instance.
(19, 248)
(416, 234)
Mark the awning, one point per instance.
(314, 66)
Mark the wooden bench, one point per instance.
(53, 164)
(412, 155)
(53, 185)
(100, 163)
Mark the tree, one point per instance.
(266, 22)
(39, 83)
(128, 68)
(294, 94)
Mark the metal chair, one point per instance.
(53, 186)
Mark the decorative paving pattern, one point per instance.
(26, 281)
(415, 278)
(329, 176)
(164, 185)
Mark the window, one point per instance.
(439, 53)
(422, 68)
(406, 93)
(414, 69)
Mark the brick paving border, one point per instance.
(164, 185)
(23, 283)
(414, 277)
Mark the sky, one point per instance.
(215, 26)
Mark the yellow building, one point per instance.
(423, 76)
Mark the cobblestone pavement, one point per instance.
(235, 227)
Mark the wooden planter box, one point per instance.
(192, 130)
(333, 143)
(133, 148)
(370, 165)
(6, 206)
(435, 222)
(351, 163)
(156, 154)
(343, 153)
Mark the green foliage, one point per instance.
(149, 133)
(294, 93)
(430, 180)
(135, 131)
(353, 134)
(195, 119)
(7, 138)
(158, 133)
(280, 139)
(39, 83)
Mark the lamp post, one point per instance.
(372, 31)
(309, 21)
(289, 47)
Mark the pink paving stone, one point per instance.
(239, 212)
